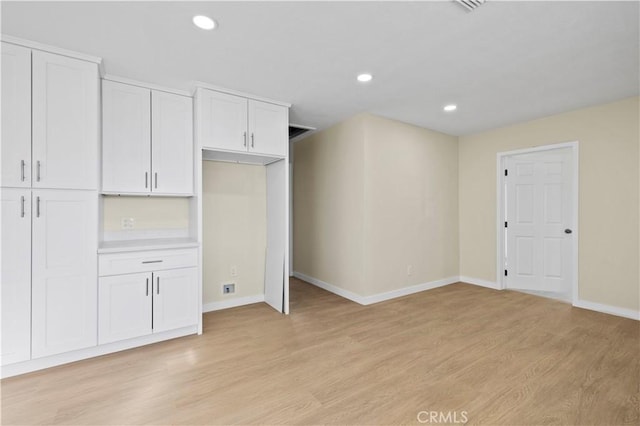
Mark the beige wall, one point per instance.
(609, 213)
(411, 205)
(159, 213)
(234, 229)
(371, 197)
(328, 205)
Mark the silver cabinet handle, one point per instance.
(22, 170)
(152, 261)
(37, 206)
(147, 293)
(38, 170)
(156, 180)
(158, 285)
(252, 140)
(146, 179)
(22, 206)
(245, 139)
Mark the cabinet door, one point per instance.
(65, 122)
(223, 121)
(126, 138)
(268, 128)
(172, 146)
(175, 299)
(64, 271)
(16, 116)
(15, 294)
(124, 307)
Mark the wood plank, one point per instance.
(502, 357)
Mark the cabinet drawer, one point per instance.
(146, 261)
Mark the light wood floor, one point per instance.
(503, 357)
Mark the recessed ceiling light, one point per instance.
(363, 78)
(204, 22)
(450, 108)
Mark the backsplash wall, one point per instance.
(147, 212)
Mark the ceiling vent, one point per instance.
(296, 130)
(470, 5)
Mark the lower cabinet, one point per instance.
(64, 270)
(175, 300)
(125, 307)
(15, 291)
(49, 286)
(138, 304)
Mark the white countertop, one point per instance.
(148, 244)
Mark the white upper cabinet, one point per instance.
(65, 114)
(269, 128)
(234, 123)
(16, 116)
(64, 271)
(224, 121)
(126, 138)
(15, 294)
(147, 145)
(172, 145)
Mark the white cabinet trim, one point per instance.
(53, 49)
(201, 85)
(144, 85)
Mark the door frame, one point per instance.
(500, 210)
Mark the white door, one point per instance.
(172, 147)
(276, 279)
(223, 121)
(268, 128)
(16, 116)
(15, 294)
(65, 122)
(539, 221)
(124, 309)
(175, 299)
(126, 138)
(64, 271)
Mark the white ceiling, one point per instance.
(504, 63)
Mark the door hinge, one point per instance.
(506, 172)
(505, 224)
(505, 272)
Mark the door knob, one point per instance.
(568, 231)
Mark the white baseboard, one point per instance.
(232, 303)
(405, 291)
(330, 288)
(368, 300)
(479, 282)
(94, 351)
(376, 298)
(608, 309)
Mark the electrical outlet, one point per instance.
(127, 223)
(228, 288)
(409, 270)
(233, 270)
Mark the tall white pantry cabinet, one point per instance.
(49, 200)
